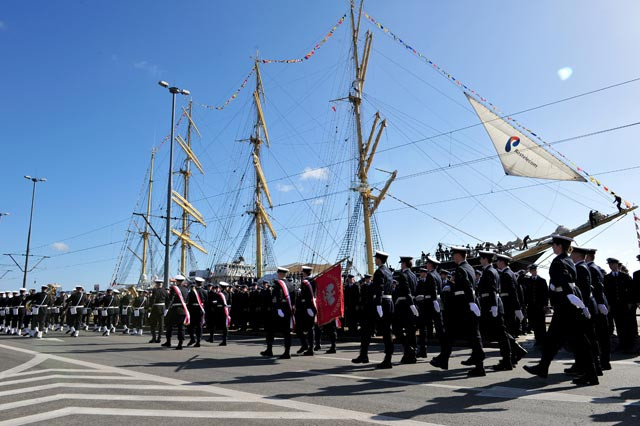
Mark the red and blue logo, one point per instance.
(512, 142)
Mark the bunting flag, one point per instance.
(484, 101)
(312, 51)
(636, 220)
(234, 96)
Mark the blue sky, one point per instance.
(81, 107)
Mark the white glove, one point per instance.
(552, 287)
(474, 308)
(575, 301)
(519, 315)
(414, 310)
(280, 313)
(446, 288)
(494, 311)
(165, 312)
(310, 312)
(436, 306)
(603, 309)
(379, 309)
(586, 312)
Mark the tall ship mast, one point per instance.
(189, 212)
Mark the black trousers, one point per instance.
(175, 321)
(566, 328)
(156, 319)
(537, 318)
(601, 324)
(384, 326)
(463, 324)
(281, 325)
(195, 326)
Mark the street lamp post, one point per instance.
(174, 91)
(26, 258)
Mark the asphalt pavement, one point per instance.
(60, 380)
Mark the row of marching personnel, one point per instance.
(488, 304)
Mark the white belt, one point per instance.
(399, 299)
(386, 296)
(41, 306)
(427, 297)
(78, 306)
(558, 290)
(504, 294)
(420, 298)
(485, 295)
(572, 285)
(458, 293)
(158, 304)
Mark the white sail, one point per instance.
(518, 153)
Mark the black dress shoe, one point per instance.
(166, 344)
(437, 362)
(468, 362)
(384, 365)
(476, 372)
(308, 352)
(179, 348)
(301, 350)
(421, 354)
(152, 340)
(223, 343)
(317, 347)
(268, 352)
(210, 340)
(331, 351)
(408, 360)
(573, 371)
(158, 340)
(501, 366)
(536, 370)
(285, 356)
(191, 342)
(605, 366)
(586, 380)
(197, 345)
(361, 360)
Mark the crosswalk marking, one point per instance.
(291, 409)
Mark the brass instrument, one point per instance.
(133, 292)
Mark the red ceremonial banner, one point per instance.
(329, 295)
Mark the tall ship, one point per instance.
(360, 168)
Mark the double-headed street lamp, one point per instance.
(33, 195)
(174, 91)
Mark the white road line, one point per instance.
(37, 359)
(50, 339)
(291, 404)
(64, 376)
(84, 411)
(123, 386)
(112, 397)
(53, 370)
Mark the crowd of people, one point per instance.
(410, 305)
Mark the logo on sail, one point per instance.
(512, 142)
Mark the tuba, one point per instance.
(133, 292)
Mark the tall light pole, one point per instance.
(26, 258)
(174, 91)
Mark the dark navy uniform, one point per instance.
(382, 297)
(157, 303)
(492, 323)
(460, 321)
(537, 295)
(404, 320)
(601, 319)
(305, 315)
(427, 292)
(176, 314)
(196, 313)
